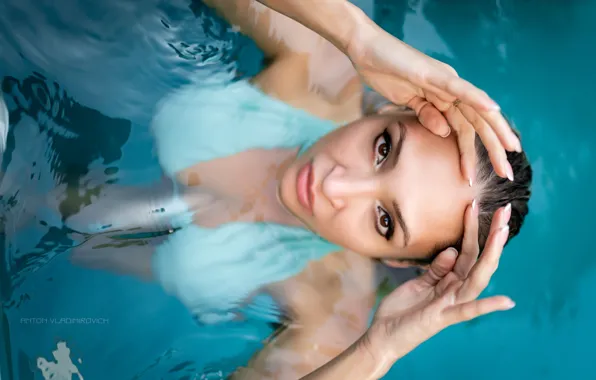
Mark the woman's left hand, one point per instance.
(406, 76)
(445, 295)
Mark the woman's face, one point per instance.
(383, 186)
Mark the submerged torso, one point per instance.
(232, 143)
(235, 142)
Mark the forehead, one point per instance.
(430, 189)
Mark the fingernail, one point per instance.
(421, 120)
(518, 147)
(470, 181)
(508, 170)
(447, 134)
(510, 304)
(507, 212)
(504, 231)
(494, 106)
(474, 205)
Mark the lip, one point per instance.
(304, 191)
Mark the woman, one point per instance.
(261, 165)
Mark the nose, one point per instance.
(340, 185)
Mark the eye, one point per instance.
(382, 148)
(384, 223)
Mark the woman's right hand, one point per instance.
(445, 295)
(405, 76)
(441, 99)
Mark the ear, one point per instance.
(393, 263)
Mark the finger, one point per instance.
(439, 268)
(470, 251)
(500, 218)
(429, 116)
(439, 104)
(474, 309)
(450, 280)
(466, 136)
(503, 130)
(438, 97)
(484, 269)
(461, 89)
(490, 140)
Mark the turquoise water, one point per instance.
(80, 81)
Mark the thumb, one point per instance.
(440, 267)
(430, 117)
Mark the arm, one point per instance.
(357, 362)
(315, 351)
(276, 34)
(329, 305)
(397, 71)
(335, 20)
(446, 294)
(307, 71)
(405, 76)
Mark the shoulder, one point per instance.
(323, 83)
(340, 286)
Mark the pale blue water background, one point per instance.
(80, 80)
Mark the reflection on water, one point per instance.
(80, 80)
(52, 145)
(94, 48)
(62, 367)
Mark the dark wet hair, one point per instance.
(496, 192)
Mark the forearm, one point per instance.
(326, 349)
(318, 354)
(357, 362)
(335, 20)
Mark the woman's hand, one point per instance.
(441, 99)
(445, 295)
(405, 76)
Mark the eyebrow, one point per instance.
(396, 208)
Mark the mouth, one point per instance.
(304, 191)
